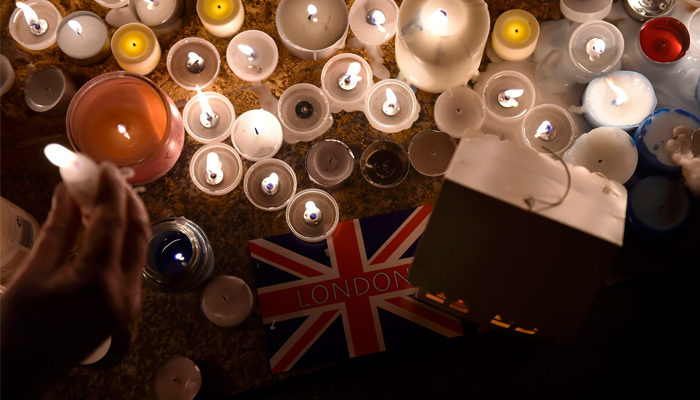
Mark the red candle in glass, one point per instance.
(664, 39)
(126, 119)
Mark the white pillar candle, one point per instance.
(391, 106)
(270, 184)
(7, 75)
(252, 56)
(655, 131)
(193, 62)
(345, 84)
(585, 10)
(156, 13)
(176, 378)
(84, 38)
(374, 22)
(610, 151)
(136, 48)
(79, 173)
(621, 99)
(313, 215)
(112, 3)
(216, 169)
(312, 29)
(227, 301)
(49, 91)
(329, 163)
(257, 134)
(221, 18)
(458, 110)
(549, 127)
(209, 128)
(515, 35)
(304, 112)
(33, 24)
(98, 353)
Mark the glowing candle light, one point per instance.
(515, 35)
(76, 27)
(248, 51)
(313, 12)
(349, 80)
(312, 214)
(621, 94)
(620, 99)
(79, 173)
(312, 31)
(438, 22)
(546, 131)
(84, 38)
(507, 98)
(391, 106)
(208, 118)
(270, 185)
(37, 26)
(214, 173)
(595, 48)
(376, 18)
(195, 63)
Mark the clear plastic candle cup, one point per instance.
(329, 163)
(595, 48)
(458, 110)
(304, 112)
(34, 24)
(549, 126)
(374, 22)
(313, 215)
(508, 96)
(216, 169)
(270, 184)
(209, 117)
(346, 79)
(252, 56)
(193, 62)
(391, 106)
(610, 151)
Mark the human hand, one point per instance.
(55, 312)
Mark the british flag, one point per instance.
(347, 296)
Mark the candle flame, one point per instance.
(354, 69)
(207, 112)
(439, 18)
(311, 206)
(213, 163)
(312, 10)
(29, 14)
(621, 94)
(595, 48)
(76, 27)
(273, 178)
(247, 50)
(59, 155)
(545, 128)
(514, 93)
(391, 97)
(378, 19)
(122, 129)
(193, 58)
(151, 4)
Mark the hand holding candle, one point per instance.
(79, 173)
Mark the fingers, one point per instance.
(138, 232)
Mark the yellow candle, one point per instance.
(136, 48)
(219, 9)
(517, 30)
(133, 44)
(515, 35)
(222, 18)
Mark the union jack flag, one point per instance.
(346, 296)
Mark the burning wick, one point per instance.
(151, 4)
(270, 185)
(312, 12)
(621, 95)
(195, 63)
(37, 26)
(76, 27)
(546, 131)
(208, 118)
(595, 48)
(391, 106)
(507, 98)
(350, 79)
(312, 215)
(248, 51)
(122, 130)
(214, 173)
(438, 21)
(376, 18)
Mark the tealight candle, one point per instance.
(176, 378)
(595, 48)
(652, 134)
(610, 151)
(193, 62)
(156, 13)
(346, 79)
(257, 134)
(431, 151)
(112, 3)
(84, 38)
(549, 126)
(179, 256)
(664, 40)
(128, 120)
(312, 29)
(209, 117)
(374, 22)
(585, 10)
(98, 353)
(49, 91)
(136, 48)
(515, 35)
(621, 99)
(216, 169)
(330, 163)
(645, 10)
(270, 184)
(391, 106)
(7, 75)
(221, 18)
(458, 110)
(252, 56)
(227, 301)
(508, 96)
(34, 23)
(384, 164)
(313, 215)
(659, 205)
(304, 112)
(79, 173)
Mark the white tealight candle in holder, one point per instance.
(7, 75)
(270, 184)
(458, 110)
(515, 35)
(431, 151)
(176, 378)
(312, 29)
(549, 126)
(156, 14)
(252, 56)
(34, 24)
(227, 301)
(304, 112)
(391, 106)
(346, 79)
(136, 48)
(374, 22)
(585, 10)
(216, 169)
(257, 134)
(653, 133)
(79, 173)
(209, 117)
(610, 151)
(313, 215)
(193, 62)
(112, 3)
(508, 96)
(49, 91)
(621, 99)
(84, 38)
(329, 163)
(221, 18)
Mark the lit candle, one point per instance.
(136, 48)
(515, 35)
(270, 184)
(7, 75)
(329, 163)
(252, 56)
(304, 112)
(257, 134)
(660, 205)
(430, 152)
(176, 378)
(98, 353)
(312, 215)
(216, 169)
(79, 173)
(664, 40)
(209, 117)
(227, 301)
(508, 96)
(655, 131)
(156, 13)
(549, 126)
(644, 10)
(459, 110)
(312, 29)
(84, 38)
(221, 18)
(610, 151)
(384, 164)
(346, 96)
(374, 22)
(33, 24)
(621, 99)
(49, 91)
(391, 106)
(214, 174)
(585, 10)
(193, 62)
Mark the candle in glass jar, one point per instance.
(136, 48)
(257, 134)
(252, 55)
(610, 151)
(33, 24)
(384, 164)
(227, 301)
(515, 35)
(312, 29)
(176, 378)
(664, 40)
(84, 38)
(329, 163)
(221, 18)
(270, 184)
(621, 99)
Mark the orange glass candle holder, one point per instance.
(126, 119)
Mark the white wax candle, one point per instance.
(329, 162)
(312, 29)
(350, 97)
(43, 34)
(459, 110)
(83, 36)
(80, 174)
(391, 106)
(112, 3)
(304, 112)
(221, 18)
(374, 22)
(621, 99)
(98, 353)
(257, 134)
(252, 55)
(136, 48)
(227, 301)
(515, 35)
(7, 75)
(585, 10)
(155, 12)
(610, 151)
(176, 378)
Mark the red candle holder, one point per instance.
(664, 40)
(126, 119)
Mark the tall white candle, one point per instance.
(610, 151)
(84, 38)
(221, 18)
(257, 134)
(80, 174)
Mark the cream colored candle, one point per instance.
(221, 18)
(515, 35)
(136, 48)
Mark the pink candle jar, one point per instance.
(126, 119)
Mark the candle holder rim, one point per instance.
(194, 100)
(449, 94)
(74, 14)
(216, 22)
(6, 66)
(352, 156)
(179, 6)
(249, 292)
(368, 75)
(117, 4)
(392, 144)
(155, 368)
(612, 28)
(288, 41)
(152, 41)
(638, 76)
(519, 75)
(64, 87)
(248, 157)
(182, 42)
(326, 109)
(259, 164)
(385, 82)
(643, 18)
(567, 115)
(581, 17)
(329, 232)
(695, 17)
(425, 132)
(239, 175)
(267, 38)
(355, 6)
(503, 18)
(50, 38)
(687, 42)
